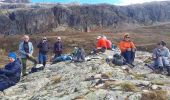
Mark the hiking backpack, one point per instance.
(118, 60)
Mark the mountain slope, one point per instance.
(24, 18)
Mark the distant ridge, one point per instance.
(37, 18)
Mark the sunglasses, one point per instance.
(127, 37)
(44, 39)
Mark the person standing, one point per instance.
(128, 49)
(43, 50)
(26, 51)
(58, 47)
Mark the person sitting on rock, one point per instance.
(26, 51)
(58, 48)
(161, 57)
(10, 74)
(128, 49)
(79, 55)
(43, 50)
(101, 45)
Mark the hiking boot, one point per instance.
(161, 68)
(25, 74)
(157, 71)
(168, 70)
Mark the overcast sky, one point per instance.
(115, 2)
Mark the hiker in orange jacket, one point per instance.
(128, 49)
(101, 43)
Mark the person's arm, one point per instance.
(133, 45)
(9, 72)
(121, 46)
(167, 53)
(21, 49)
(154, 55)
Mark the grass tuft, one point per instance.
(155, 95)
(129, 87)
(56, 79)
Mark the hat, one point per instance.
(12, 55)
(98, 37)
(163, 43)
(125, 35)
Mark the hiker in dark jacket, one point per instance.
(10, 74)
(161, 57)
(43, 50)
(58, 47)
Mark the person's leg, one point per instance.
(24, 61)
(165, 61)
(32, 59)
(166, 64)
(168, 70)
(59, 53)
(44, 59)
(132, 57)
(4, 85)
(160, 63)
(127, 56)
(40, 58)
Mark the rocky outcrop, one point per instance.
(92, 80)
(37, 18)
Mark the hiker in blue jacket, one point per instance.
(58, 48)
(26, 51)
(43, 50)
(10, 74)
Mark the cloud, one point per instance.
(127, 2)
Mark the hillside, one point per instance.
(39, 18)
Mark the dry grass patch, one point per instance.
(129, 87)
(138, 76)
(155, 95)
(158, 82)
(80, 98)
(56, 79)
